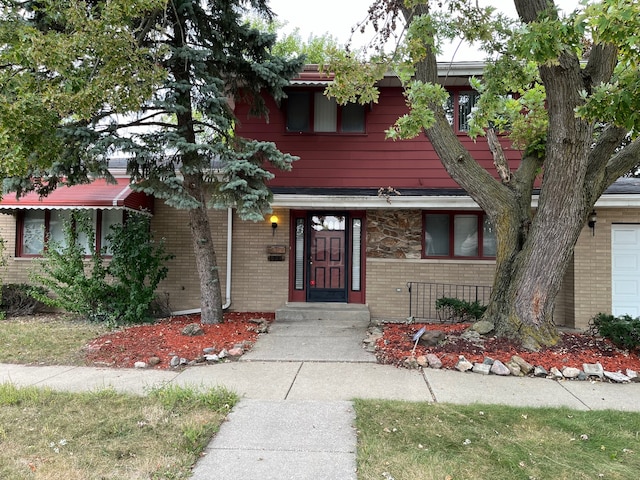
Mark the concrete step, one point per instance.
(331, 312)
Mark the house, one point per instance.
(359, 220)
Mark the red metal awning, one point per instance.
(96, 195)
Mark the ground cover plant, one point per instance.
(106, 435)
(412, 441)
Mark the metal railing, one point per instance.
(423, 297)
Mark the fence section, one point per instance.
(423, 297)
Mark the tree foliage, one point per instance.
(149, 80)
(563, 87)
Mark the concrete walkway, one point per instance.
(295, 419)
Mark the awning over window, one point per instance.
(96, 195)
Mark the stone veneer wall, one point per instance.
(394, 234)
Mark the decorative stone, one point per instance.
(570, 372)
(555, 373)
(211, 357)
(434, 361)
(235, 352)
(593, 370)
(483, 327)
(582, 376)
(175, 361)
(633, 375)
(184, 361)
(481, 368)
(411, 362)
(209, 350)
(140, 365)
(525, 367)
(540, 371)
(422, 361)
(153, 361)
(222, 353)
(616, 377)
(192, 330)
(431, 338)
(488, 361)
(514, 368)
(463, 364)
(499, 368)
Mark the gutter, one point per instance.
(227, 303)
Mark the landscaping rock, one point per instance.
(514, 368)
(175, 361)
(617, 377)
(499, 368)
(593, 370)
(483, 327)
(411, 362)
(431, 338)
(211, 357)
(555, 373)
(422, 361)
(209, 350)
(222, 353)
(463, 364)
(482, 368)
(235, 352)
(570, 372)
(140, 365)
(192, 330)
(525, 367)
(183, 361)
(540, 371)
(488, 361)
(153, 361)
(434, 361)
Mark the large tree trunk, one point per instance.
(204, 250)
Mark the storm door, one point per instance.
(327, 279)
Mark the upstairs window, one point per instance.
(312, 112)
(458, 235)
(37, 227)
(459, 107)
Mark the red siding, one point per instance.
(361, 160)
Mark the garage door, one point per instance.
(625, 269)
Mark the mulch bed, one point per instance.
(164, 340)
(573, 350)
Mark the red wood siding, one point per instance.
(361, 160)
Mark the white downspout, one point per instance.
(227, 303)
(227, 282)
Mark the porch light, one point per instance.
(274, 224)
(592, 222)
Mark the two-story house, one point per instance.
(357, 219)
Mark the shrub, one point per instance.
(456, 310)
(623, 331)
(119, 291)
(18, 299)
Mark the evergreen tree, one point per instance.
(152, 80)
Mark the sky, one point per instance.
(337, 17)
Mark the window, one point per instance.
(458, 235)
(36, 227)
(312, 111)
(459, 107)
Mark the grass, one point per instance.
(46, 339)
(106, 435)
(411, 441)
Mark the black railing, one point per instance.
(423, 297)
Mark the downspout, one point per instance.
(227, 303)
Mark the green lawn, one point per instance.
(411, 441)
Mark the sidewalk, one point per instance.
(295, 419)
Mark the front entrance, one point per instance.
(327, 258)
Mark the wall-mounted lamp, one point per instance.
(274, 224)
(592, 222)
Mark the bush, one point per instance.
(623, 331)
(120, 291)
(455, 310)
(18, 299)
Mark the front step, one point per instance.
(340, 312)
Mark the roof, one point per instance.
(98, 194)
(449, 73)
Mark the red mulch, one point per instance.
(165, 340)
(573, 350)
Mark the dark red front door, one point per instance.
(327, 259)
